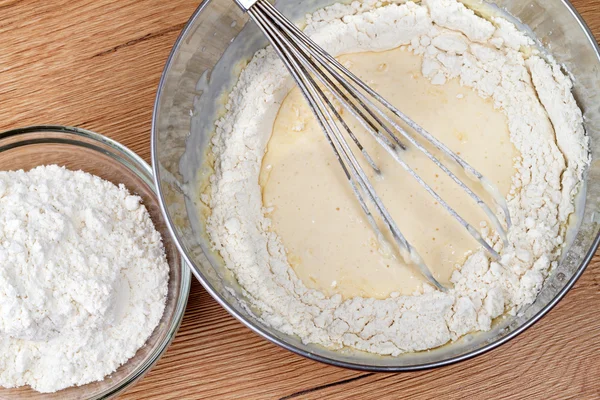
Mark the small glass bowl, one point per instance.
(78, 149)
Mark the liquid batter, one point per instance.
(329, 241)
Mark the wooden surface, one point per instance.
(96, 64)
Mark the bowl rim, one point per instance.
(160, 349)
(290, 347)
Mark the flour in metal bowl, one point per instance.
(287, 224)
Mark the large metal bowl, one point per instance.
(201, 65)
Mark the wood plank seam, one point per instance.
(327, 386)
(144, 38)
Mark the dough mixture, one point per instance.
(287, 225)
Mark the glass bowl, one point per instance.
(202, 66)
(78, 149)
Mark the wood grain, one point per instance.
(96, 64)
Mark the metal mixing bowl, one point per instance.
(200, 68)
(79, 149)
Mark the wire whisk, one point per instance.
(314, 69)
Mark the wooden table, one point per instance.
(96, 64)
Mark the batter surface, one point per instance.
(464, 78)
(329, 242)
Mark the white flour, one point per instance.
(83, 278)
(545, 126)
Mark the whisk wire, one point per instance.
(321, 106)
(392, 150)
(318, 54)
(305, 59)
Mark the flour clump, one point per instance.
(83, 278)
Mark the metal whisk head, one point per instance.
(313, 69)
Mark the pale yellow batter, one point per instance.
(329, 242)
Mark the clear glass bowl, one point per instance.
(202, 66)
(78, 149)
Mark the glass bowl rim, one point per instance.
(161, 346)
(293, 348)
